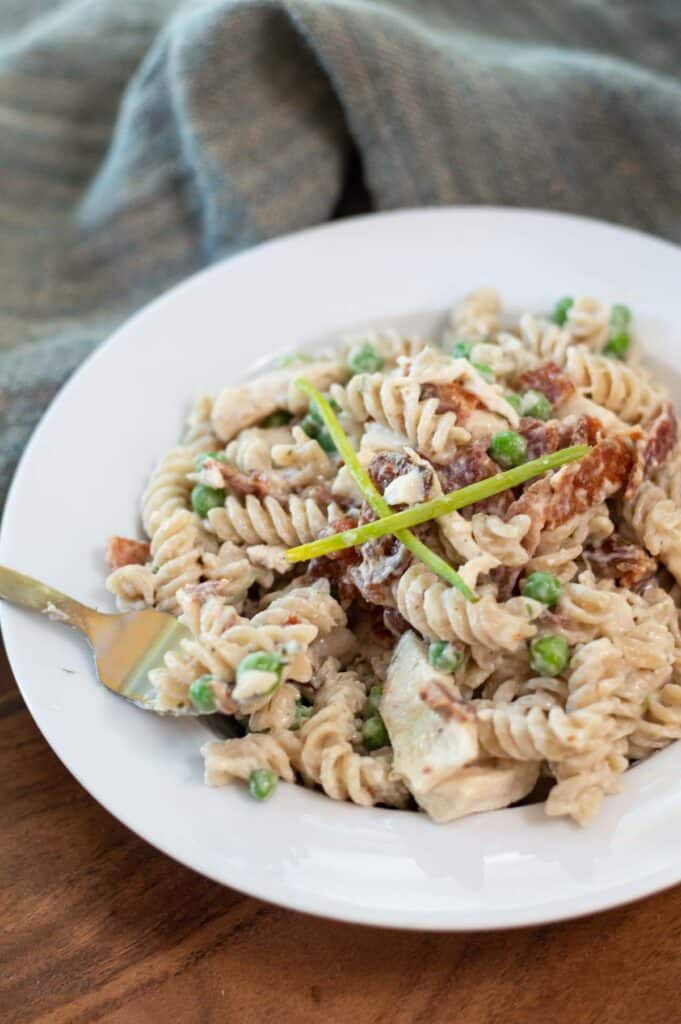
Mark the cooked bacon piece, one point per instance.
(394, 622)
(505, 578)
(240, 484)
(653, 448)
(550, 380)
(470, 465)
(383, 561)
(544, 438)
(617, 559)
(122, 551)
(388, 466)
(334, 566)
(574, 488)
(452, 398)
(589, 481)
(322, 494)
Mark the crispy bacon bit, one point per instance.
(388, 466)
(654, 448)
(575, 488)
(394, 622)
(589, 481)
(616, 559)
(334, 566)
(385, 623)
(383, 561)
(550, 380)
(438, 698)
(544, 438)
(452, 398)
(470, 465)
(505, 578)
(122, 551)
(322, 494)
(242, 484)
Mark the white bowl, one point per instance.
(80, 480)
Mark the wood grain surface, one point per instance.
(95, 925)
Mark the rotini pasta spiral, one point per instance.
(523, 731)
(235, 409)
(256, 521)
(546, 341)
(478, 315)
(251, 451)
(396, 402)
(176, 551)
(442, 613)
(656, 520)
(619, 388)
(168, 489)
(133, 586)
(328, 759)
(228, 760)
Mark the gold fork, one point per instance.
(126, 646)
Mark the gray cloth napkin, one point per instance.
(142, 139)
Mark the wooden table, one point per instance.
(95, 925)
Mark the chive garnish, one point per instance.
(374, 498)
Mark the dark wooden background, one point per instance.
(95, 925)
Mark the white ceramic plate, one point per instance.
(80, 481)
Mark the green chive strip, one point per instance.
(427, 510)
(376, 500)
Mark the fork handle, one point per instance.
(30, 593)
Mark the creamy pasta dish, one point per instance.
(439, 575)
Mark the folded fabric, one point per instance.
(142, 140)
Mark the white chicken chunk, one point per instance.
(434, 737)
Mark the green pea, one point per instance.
(365, 359)
(205, 498)
(536, 404)
(302, 713)
(278, 418)
(262, 783)
(560, 312)
(515, 401)
(293, 359)
(261, 661)
(620, 319)
(200, 459)
(315, 413)
(325, 441)
(541, 586)
(202, 695)
(444, 656)
(508, 449)
(314, 429)
(617, 345)
(549, 655)
(485, 371)
(374, 733)
(462, 349)
(374, 699)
